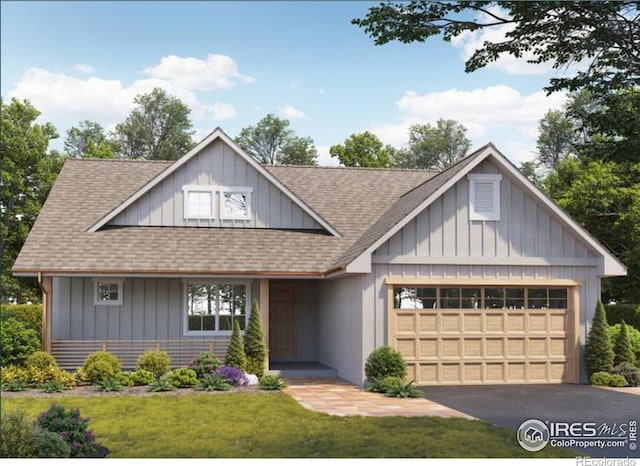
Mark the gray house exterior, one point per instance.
(472, 273)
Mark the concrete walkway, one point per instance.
(339, 398)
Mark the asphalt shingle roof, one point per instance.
(354, 201)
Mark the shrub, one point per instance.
(29, 314)
(11, 374)
(598, 351)
(125, 379)
(629, 372)
(49, 444)
(40, 377)
(72, 429)
(385, 362)
(15, 385)
(155, 361)
(634, 337)
(205, 363)
(142, 377)
(110, 384)
(161, 384)
(630, 313)
(211, 382)
(272, 382)
(182, 378)
(236, 377)
(623, 352)
(397, 388)
(17, 342)
(375, 384)
(600, 379)
(52, 386)
(81, 376)
(17, 435)
(617, 380)
(235, 351)
(41, 360)
(101, 364)
(254, 346)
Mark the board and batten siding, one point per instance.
(525, 229)
(216, 165)
(152, 309)
(339, 333)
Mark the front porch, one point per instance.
(301, 369)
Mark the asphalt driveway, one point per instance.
(510, 405)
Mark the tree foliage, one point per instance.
(434, 147)
(28, 172)
(89, 140)
(158, 128)
(606, 35)
(254, 344)
(272, 141)
(622, 348)
(235, 351)
(598, 352)
(556, 138)
(363, 150)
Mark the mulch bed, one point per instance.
(89, 391)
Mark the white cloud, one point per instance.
(324, 158)
(80, 68)
(222, 111)
(289, 111)
(214, 73)
(498, 113)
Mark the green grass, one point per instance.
(273, 425)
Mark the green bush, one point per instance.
(183, 378)
(161, 384)
(101, 364)
(634, 337)
(205, 363)
(618, 380)
(629, 372)
(40, 377)
(142, 377)
(397, 388)
(212, 382)
(50, 445)
(52, 386)
(17, 342)
(110, 384)
(630, 313)
(17, 435)
(375, 384)
(126, 379)
(254, 345)
(9, 374)
(385, 362)
(16, 385)
(272, 382)
(235, 351)
(598, 351)
(601, 379)
(29, 314)
(623, 352)
(155, 361)
(41, 361)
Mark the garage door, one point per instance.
(484, 335)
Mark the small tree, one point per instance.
(254, 346)
(598, 351)
(623, 352)
(235, 352)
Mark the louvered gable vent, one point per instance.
(484, 196)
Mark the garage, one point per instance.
(453, 334)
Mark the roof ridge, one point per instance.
(90, 159)
(390, 169)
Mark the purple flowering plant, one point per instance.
(234, 376)
(72, 429)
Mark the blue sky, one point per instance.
(233, 62)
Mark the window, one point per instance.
(107, 292)
(198, 202)
(484, 196)
(235, 203)
(214, 307)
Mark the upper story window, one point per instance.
(484, 196)
(235, 203)
(107, 292)
(198, 202)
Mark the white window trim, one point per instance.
(189, 188)
(108, 281)
(235, 189)
(484, 178)
(185, 314)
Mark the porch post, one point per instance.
(264, 316)
(45, 285)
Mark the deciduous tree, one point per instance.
(363, 150)
(89, 140)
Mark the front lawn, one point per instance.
(273, 425)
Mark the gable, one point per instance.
(525, 229)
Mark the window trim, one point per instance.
(192, 188)
(185, 311)
(235, 189)
(108, 281)
(492, 178)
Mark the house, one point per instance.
(473, 274)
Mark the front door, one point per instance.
(282, 318)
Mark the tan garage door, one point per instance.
(484, 335)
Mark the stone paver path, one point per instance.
(340, 398)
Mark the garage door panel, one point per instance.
(494, 322)
(407, 348)
(473, 373)
(472, 323)
(450, 322)
(494, 347)
(537, 322)
(428, 348)
(558, 323)
(472, 347)
(516, 323)
(495, 372)
(516, 347)
(517, 372)
(538, 347)
(405, 323)
(428, 323)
